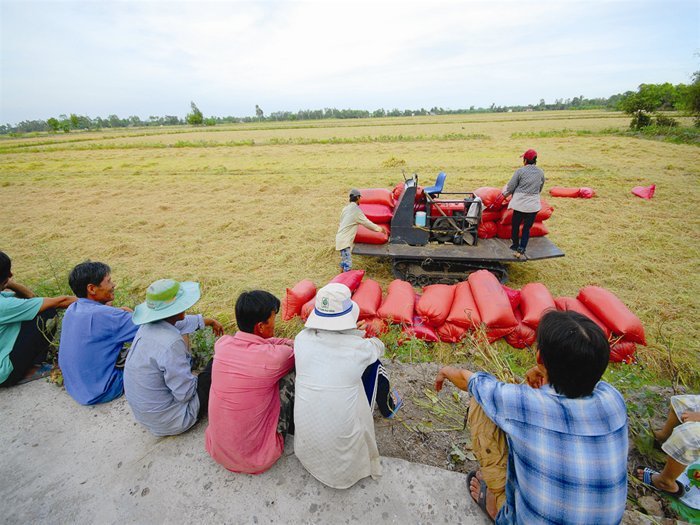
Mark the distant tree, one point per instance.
(53, 124)
(196, 118)
(74, 121)
(259, 112)
(691, 98)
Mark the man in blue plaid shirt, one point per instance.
(555, 450)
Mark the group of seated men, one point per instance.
(552, 450)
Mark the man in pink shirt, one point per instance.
(251, 401)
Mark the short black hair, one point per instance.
(5, 266)
(355, 198)
(533, 160)
(574, 351)
(85, 273)
(255, 307)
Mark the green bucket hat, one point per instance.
(165, 298)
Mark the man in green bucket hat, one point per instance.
(164, 395)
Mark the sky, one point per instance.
(152, 57)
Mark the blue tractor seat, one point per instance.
(436, 189)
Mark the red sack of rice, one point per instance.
(377, 213)
(397, 191)
(492, 302)
(571, 303)
(535, 300)
(451, 333)
(464, 312)
(368, 297)
(623, 352)
(523, 336)
(613, 312)
(351, 279)
(586, 193)
(494, 334)
(374, 327)
(560, 191)
(545, 213)
(377, 196)
(420, 330)
(487, 230)
(538, 230)
(490, 197)
(513, 296)
(367, 236)
(307, 308)
(295, 298)
(491, 215)
(645, 192)
(398, 303)
(435, 304)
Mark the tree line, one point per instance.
(641, 104)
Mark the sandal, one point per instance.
(482, 493)
(43, 370)
(646, 479)
(398, 403)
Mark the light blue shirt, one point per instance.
(13, 311)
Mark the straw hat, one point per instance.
(165, 298)
(334, 309)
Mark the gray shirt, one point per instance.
(526, 185)
(158, 381)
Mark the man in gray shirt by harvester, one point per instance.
(525, 186)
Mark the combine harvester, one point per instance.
(435, 240)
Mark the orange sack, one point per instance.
(368, 297)
(435, 303)
(308, 308)
(490, 196)
(613, 312)
(451, 333)
(535, 300)
(420, 330)
(573, 304)
(487, 230)
(492, 302)
(623, 352)
(367, 236)
(545, 213)
(351, 279)
(464, 312)
(374, 327)
(538, 230)
(398, 303)
(377, 196)
(523, 335)
(560, 191)
(377, 213)
(295, 298)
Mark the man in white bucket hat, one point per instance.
(159, 385)
(334, 437)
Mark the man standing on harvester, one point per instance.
(525, 186)
(350, 218)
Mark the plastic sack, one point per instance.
(513, 296)
(492, 302)
(464, 312)
(295, 298)
(523, 336)
(368, 297)
(487, 230)
(374, 327)
(377, 196)
(491, 215)
(613, 312)
(451, 333)
(490, 196)
(645, 192)
(397, 191)
(560, 191)
(377, 213)
(420, 330)
(535, 300)
(494, 334)
(545, 213)
(623, 352)
(538, 229)
(351, 279)
(586, 193)
(367, 236)
(307, 309)
(435, 303)
(398, 303)
(573, 304)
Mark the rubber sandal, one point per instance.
(398, 403)
(646, 479)
(482, 493)
(43, 371)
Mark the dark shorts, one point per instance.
(32, 344)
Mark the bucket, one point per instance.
(420, 218)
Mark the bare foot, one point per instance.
(475, 491)
(659, 482)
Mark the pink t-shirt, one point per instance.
(244, 401)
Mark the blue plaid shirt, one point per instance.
(567, 458)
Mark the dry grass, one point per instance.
(264, 214)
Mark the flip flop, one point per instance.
(482, 493)
(398, 403)
(646, 479)
(43, 371)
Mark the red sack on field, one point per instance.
(613, 312)
(487, 230)
(523, 336)
(351, 279)
(492, 302)
(490, 196)
(307, 309)
(535, 300)
(435, 304)
(560, 191)
(295, 298)
(464, 312)
(494, 334)
(451, 333)
(645, 192)
(398, 303)
(623, 352)
(538, 230)
(586, 193)
(377, 213)
(374, 327)
(368, 297)
(377, 196)
(491, 215)
(420, 330)
(513, 296)
(573, 304)
(367, 236)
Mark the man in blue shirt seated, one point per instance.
(554, 451)
(91, 352)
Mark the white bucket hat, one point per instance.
(165, 298)
(334, 309)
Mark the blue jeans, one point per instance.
(346, 259)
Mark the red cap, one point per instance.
(529, 154)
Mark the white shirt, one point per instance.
(350, 218)
(334, 429)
